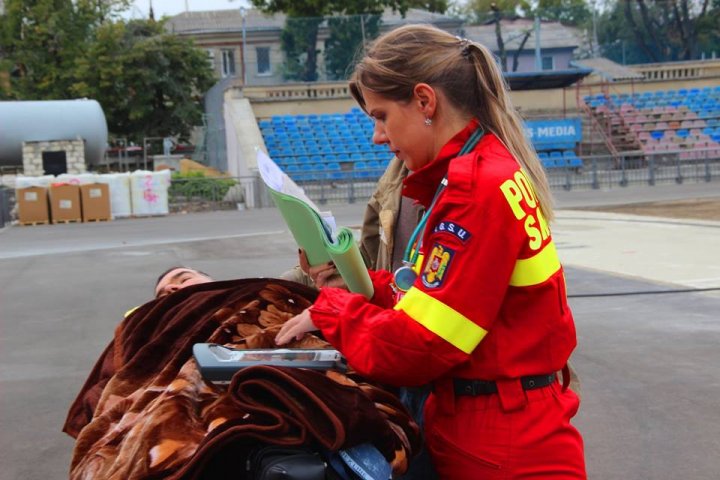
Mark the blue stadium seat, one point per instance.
(318, 171)
(334, 172)
(549, 163)
(572, 160)
(657, 134)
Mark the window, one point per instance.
(211, 58)
(228, 63)
(547, 63)
(263, 60)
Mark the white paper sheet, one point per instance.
(275, 178)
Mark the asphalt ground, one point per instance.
(646, 360)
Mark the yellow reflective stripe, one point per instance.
(418, 264)
(537, 269)
(442, 320)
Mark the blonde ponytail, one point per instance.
(412, 54)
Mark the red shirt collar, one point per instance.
(422, 184)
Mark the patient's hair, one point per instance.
(175, 268)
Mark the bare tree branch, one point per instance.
(516, 55)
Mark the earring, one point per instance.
(428, 122)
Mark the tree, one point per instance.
(40, 39)
(485, 12)
(148, 82)
(657, 31)
(299, 37)
(347, 36)
(567, 12)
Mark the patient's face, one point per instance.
(179, 278)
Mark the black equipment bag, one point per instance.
(286, 463)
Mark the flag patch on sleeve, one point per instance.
(437, 266)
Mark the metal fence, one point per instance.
(636, 169)
(598, 172)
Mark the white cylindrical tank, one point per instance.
(37, 121)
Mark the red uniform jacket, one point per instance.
(489, 302)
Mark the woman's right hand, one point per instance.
(324, 275)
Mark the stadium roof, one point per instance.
(227, 21)
(608, 69)
(545, 79)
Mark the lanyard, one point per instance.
(405, 276)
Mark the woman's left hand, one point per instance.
(295, 328)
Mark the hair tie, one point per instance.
(464, 46)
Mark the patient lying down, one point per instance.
(145, 412)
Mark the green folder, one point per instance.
(313, 235)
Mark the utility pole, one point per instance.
(538, 54)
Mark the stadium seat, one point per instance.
(572, 160)
(657, 134)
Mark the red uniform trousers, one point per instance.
(514, 434)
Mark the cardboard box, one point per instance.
(95, 199)
(65, 203)
(32, 205)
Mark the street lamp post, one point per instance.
(243, 14)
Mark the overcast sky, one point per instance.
(140, 8)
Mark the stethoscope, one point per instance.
(405, 276)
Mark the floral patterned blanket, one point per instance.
(145, 411)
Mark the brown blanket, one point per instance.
(145, 411)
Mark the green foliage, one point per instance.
(344, 45)
(299, 37)
(41, 39)
(658, 31)
(568, 12)
(148, 82)
(481, 11)
(195, 185)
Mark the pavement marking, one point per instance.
(126, 244)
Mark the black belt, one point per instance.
(464, 386)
